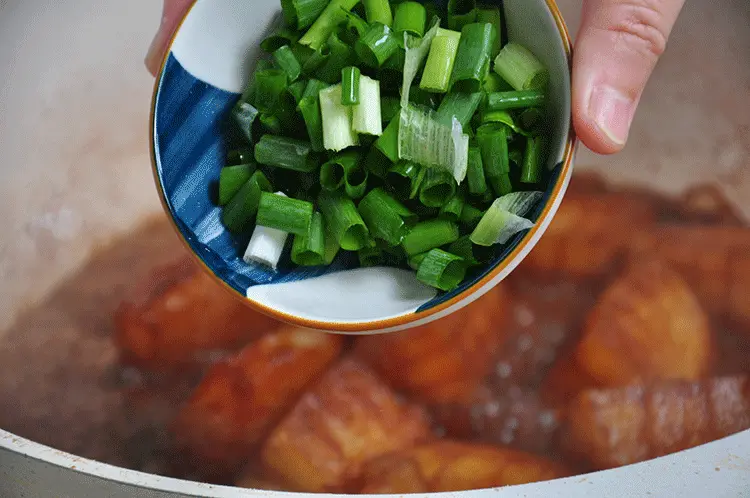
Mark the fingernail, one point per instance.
(154, 54)
(612, 111)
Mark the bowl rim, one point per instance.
(399, 322)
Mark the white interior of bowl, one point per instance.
(218, 43)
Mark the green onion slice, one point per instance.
(429, 235)
(416, 51)
(343, 220)
(337, 120)
(442, 270)
(385, 217)
(425, 141)
(519, 67)
(284, 213)
(504, 218)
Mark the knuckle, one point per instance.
(642, 27)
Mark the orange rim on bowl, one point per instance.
(403, 320)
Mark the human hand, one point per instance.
(616, 50)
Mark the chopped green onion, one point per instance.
(515, 156)
(342, 55)
(440, 61)
(504, 218)
(387, 143)
(302, 53)
(366, 117)
(310, 249)
(472, 61)
(416, 260)
(249, 94)
(370, 256)
(309, 107)
(475, 172)
(270, 86)
(243, 155)
(343, 220)
(385, 217)
(314, 87)
(504, 117)
(395, 64)
(287, 153)
(389, 107)
(284, 213)
(429, 235)
(231, 180)
(332, 16)
(519, 67)
(350, 85)
(376, 163)
(266, 246)
(283, 36)
(461, 13)
(470, 216)
(337, 120)
(493, 143)
(451, 210)
(494, 83)
(472, 255)
(530, 118)
(377, 45)
(422, 98)
(460, 105)
(332, 172)
(317, 60)
(391, 74)
(425, 141)
(297, 90)
(441, 270)
(492, 15)
(500, 101)
(288, 63)
(244, 115)
(378, 11)
(532, 165)
(270, 123)
(345, 169)
(438, 187)
(302, 13)
(241, 209)
(404, 179)
(502, 184)
(411, 17)
(355, 27)
(415, 52)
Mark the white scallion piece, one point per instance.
(416, 51)
(266, 245)
(504, 218)
(366, 117)
(423, 140)
(337, 120)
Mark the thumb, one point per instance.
(172, 14)
(616, 50)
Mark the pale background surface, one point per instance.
(74, 101)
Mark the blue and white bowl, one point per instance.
(205, 71)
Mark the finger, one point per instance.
(617, 48)
(172, 14)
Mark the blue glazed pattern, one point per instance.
(190, 150)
